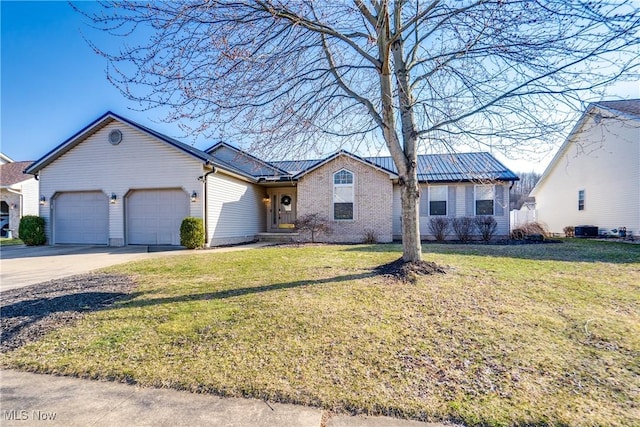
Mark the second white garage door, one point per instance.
(154, 216)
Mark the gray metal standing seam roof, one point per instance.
(431, 167)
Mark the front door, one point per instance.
(283, 209)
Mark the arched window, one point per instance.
(343, 195)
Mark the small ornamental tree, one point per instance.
(192, 233)
(313, 223)
(31, 230)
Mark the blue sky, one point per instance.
(53, 84)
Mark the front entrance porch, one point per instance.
(281, 209)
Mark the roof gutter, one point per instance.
(203, 179)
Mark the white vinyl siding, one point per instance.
(603, 160)
(30, 202)
(235, 208)
(138, 162)
(460, 202)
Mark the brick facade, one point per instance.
(373, 200)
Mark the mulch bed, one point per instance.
(409, 271)
(26, 314)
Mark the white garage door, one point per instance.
(81, 218)
(154, 216)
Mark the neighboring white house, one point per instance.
(117, 183)
(594, 179)
(18, 194)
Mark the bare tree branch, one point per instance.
(409, 76)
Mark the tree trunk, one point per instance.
(409, 196)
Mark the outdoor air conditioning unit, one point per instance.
(586, 231)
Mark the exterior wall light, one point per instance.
(266, 200)
(113, 198)
(194, 196)
(42, 200)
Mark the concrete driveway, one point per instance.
(23, 265)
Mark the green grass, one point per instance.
(511, 335)
(9, 242)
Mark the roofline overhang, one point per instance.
(94, 126)
(454, 181)
(244, 153)
(563, 148)
(576, 128)
(392, 175)
(626, 114)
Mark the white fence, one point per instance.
(520, 217)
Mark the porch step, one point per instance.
(278, 237)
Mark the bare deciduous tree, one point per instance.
(521, 189)
(418, 75)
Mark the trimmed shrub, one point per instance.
(313, 223)
(438, 226)
(463, 227)
(192, 233)
(487, 226)
(31, 230)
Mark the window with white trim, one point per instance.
(343, 195)
(485, 195)
(581, 200)
(438, 200)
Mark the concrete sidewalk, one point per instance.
(35, 400)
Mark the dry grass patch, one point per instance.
(523, 335)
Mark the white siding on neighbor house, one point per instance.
(24, 196)
(603, 160)
(460, 202)
(138, 162)
(30, 203)
(235, 209)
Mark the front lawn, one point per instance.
(510, 335)
(4, 241)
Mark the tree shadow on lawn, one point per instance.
(238, 292)
(568, 251)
